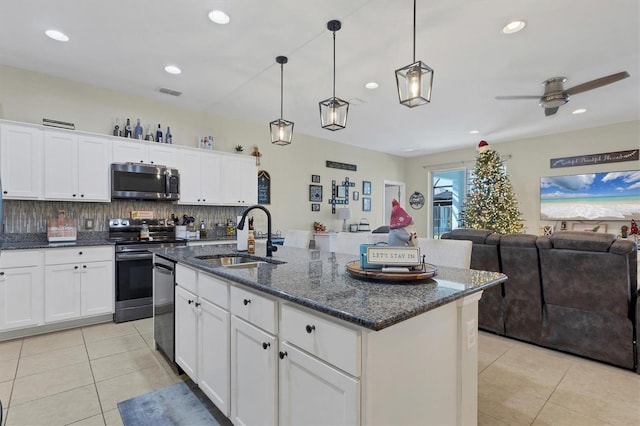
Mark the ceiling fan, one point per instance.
(555, 95)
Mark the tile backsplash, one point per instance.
(31, 216)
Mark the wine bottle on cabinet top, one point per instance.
(127, 129)
(116, 128)
(138, 130)
(149, 136)
(159, 134)
(168, 136)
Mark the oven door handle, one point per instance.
(134, 256)
(163, 268)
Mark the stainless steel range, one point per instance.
(134, 263)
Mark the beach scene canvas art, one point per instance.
(591, 196)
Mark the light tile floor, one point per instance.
(78, 376)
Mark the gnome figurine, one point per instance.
(401, 230)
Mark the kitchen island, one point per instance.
(304, 342)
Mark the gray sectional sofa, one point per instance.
(573, 291)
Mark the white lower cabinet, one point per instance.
(21, 289)
(313, 392)
(202, 333)
(78, 282)
(254, 375)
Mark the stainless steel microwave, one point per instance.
(144, 182)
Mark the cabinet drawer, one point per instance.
(58, 256)
(258, 310)
(187, 278)
(20, 258)
(214, 290)
(336, 344)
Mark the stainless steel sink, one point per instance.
(237, 260)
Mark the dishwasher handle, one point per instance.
(163, 268)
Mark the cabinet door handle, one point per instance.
(1, 274)
(198, 304)
(246, 302)
(81, 195)
(265, 345)
(80, 253)
(310, 328)
(189, 301)
(84, 266)
(75, 267)
(282, 354)
(74, 195)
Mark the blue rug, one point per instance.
(173, 405)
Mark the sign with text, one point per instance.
(591, 159)
(396, 256)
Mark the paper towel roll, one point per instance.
(242, 235)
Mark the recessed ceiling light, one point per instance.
(57, 35)
(579, 111)
(172, 69)
(513, 27)
(474, 132)
(219, 17)
(408, 150)
(372, 85)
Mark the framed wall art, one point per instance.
(366, 187)
(315, 193)
(315, 178)
(315, 207)
(366, 204)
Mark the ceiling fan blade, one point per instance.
(599, 82)
(550, 111)
(501, 98)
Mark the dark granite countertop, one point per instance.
(30, 241)
(318, 280)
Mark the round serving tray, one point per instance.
(428, 271)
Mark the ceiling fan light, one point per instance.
(333, 113)
(414, 82)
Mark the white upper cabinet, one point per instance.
(136, 151)
(76, 167)
(21, 161)
(240, 180)
(199, 178)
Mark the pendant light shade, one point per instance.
(415, 80)
(281, 130)
(333, 111)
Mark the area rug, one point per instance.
(173, 405)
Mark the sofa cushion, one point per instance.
(580, 240)
(477, 236)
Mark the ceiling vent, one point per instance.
(169, 91)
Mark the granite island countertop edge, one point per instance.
(377, 318)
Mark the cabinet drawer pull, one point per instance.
(75, 267)
(246, 302)
(1, 274)
(283, 354)
(80, 253)
(84, 266)
(265, 345)
(310, 328)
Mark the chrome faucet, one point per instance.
(270, 247)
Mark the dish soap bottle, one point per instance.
(144, 232)
(251, 243)
(203, 231)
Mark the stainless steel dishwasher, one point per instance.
(163, 305)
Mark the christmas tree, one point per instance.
(491, 203)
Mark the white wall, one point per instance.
(28, 97)
(529, 161)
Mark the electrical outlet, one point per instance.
(88, 224)
(472, 334)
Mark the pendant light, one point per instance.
(415, 80)
(333, 111)
(281, 130)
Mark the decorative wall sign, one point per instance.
(315, 193)
(591, 159)
(342, 166)
(416, 200)
(264, 187)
